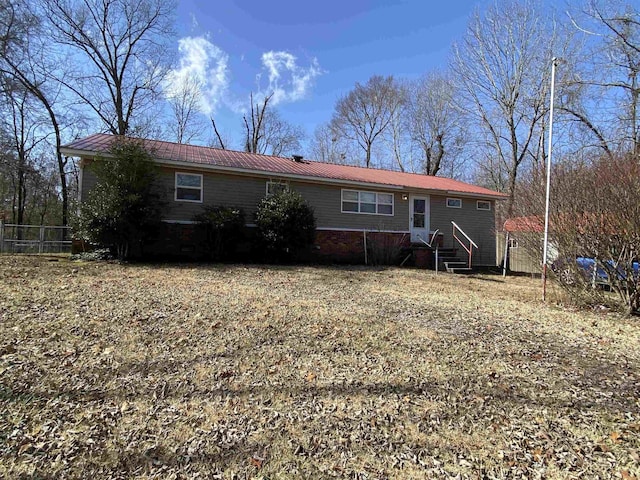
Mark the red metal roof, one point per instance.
(532, 224)
(206, 156)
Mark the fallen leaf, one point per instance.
(257, 461)
(24, 448)
(627, 476)
(537, 454)
(615, 437)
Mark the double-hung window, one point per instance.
(372, 203)
(274, 187)
(189, 187)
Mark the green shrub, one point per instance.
(223, 230)
(285, 225)
(123, 210)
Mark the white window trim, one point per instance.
(393, 202)
(454, 206)
(274, 182)
(478, 202)
(175, 195)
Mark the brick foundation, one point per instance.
(186, 241)
(348, 247)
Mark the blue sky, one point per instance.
(310, 53)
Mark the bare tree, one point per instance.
(184, 97)
(503, 66)
(267, 133)
(218, 141)
(23, 140)
(120, 50)
(254, 129)
(328, 146)
(436, 122)
(594, 225)
(281, 137)
(365, 113)
(25, 58)
(397, 135)
(609, 75)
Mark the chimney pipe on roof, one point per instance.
(297, 158)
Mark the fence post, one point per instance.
(1, 235)
(41, 244)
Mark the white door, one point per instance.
(419, 218)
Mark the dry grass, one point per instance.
(188, 371)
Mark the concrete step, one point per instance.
(455, 264)
(459, 270)
(444, 260)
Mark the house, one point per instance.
(351, 204)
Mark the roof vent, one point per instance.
(297, 158)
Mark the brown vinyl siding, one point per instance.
(327, 203)
(87, 179)
(225, 190)
(246, 192)
(479, 225)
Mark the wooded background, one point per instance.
(73, 67)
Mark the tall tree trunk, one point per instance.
(511, 190)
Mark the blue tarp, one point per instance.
(588, 264)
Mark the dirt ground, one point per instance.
(237, 371)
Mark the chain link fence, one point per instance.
(34, 238)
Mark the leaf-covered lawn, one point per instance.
(192, 371)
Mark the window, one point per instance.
(189, 187)
(372, 203)
(454, 202)
(483, 205)
(276, 187)
(513, 243)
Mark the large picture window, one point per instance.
(189, 187)
(372, 203)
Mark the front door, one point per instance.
(419, 219)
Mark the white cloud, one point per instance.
(287, 80)
(194, 21)
(204, 63)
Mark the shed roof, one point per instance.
(214, 158)
(531, 224)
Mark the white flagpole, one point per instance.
(546, 208)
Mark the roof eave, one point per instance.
(309, 178)
(488, 196)
(241, 171)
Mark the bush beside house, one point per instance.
(123, 211)
(286, 226)
(223, 229)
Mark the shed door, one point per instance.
(419, 218)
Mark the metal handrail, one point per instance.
(465, 235)
(471, 242)
(430, 245)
